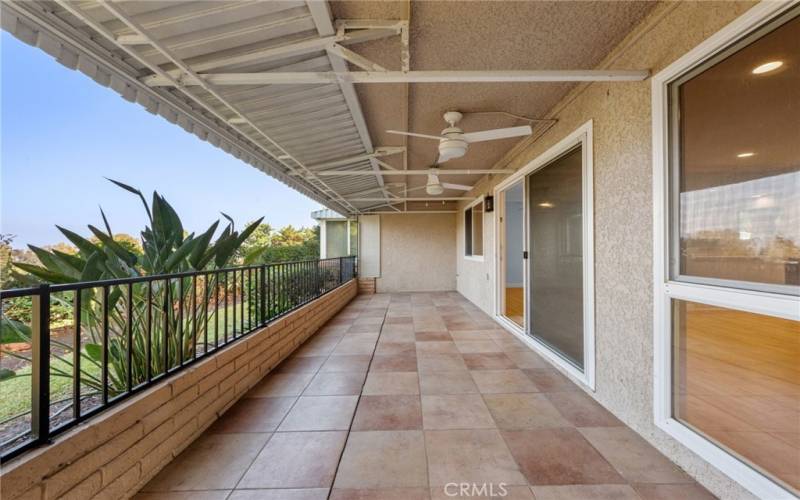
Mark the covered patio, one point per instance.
(580, 218)
(413, 396)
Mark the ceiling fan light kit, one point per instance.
(453, 142)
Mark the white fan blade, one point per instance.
(412, 134)
(498, 133)
(460, 187)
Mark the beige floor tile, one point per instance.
(354, 346)
(395, 348)
(381, 494)
(455, 382)
(442, 336)
(633, 457)
(214, 461)
(582, 410)
(427, 362)
(183, 495)
(559, 456)
(347, 363)
(253, 415)
(437, 347)
(281, 384)
(383, 459)
(691, 491)
(319, 346)
(550, 380)
(477, 346)
(398, 336)
(470, 456)
(385, 413)
(281, 494)
(527, 359)
(462, 411)
(335, 384)
(301, 364)
(394, 363)
(296, 460)
(320, 413)
(523, 411)
(586, 492)
(488, 361)
(470, 335)
(503, 381)
(379, 383)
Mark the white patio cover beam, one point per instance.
(263, 55)
(346, 173)
(377, 153)
(401, 200)
(454, 76)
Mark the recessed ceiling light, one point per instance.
(546, 204)
(767, 67)
(745, 155)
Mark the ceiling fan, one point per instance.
(435, 187)
(453, 142)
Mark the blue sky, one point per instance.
(62, 134)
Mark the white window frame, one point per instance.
(472, 204)
(665, 290)
(582, 137)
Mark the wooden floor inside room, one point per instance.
(515, 305)
(739, 383)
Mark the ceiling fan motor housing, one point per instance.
(452, 144)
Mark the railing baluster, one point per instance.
(129, 328)
(194, 316)
(206, 298)
(149, 338)
(180, 332)
(40, 382)
(104, 356)
(225, 318)
(167, 311)
(216, 310)
(76, 355)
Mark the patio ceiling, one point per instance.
(273, 82)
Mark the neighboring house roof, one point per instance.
(327, 214)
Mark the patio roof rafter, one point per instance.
(446, 76)
(120, 15)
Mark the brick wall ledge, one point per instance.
(114, 454)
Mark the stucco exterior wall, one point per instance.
(417, 253)
(623, 215)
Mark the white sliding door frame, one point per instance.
(582, 137)
(665, 289)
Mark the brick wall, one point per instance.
(116, 453)
(366, 285)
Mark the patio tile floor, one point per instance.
(401, 394)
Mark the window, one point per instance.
(727, 264)
(473, 230)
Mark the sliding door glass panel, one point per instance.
(736, 380)
(513, 263)
(736, 138)
(555, 201)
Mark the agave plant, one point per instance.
(160, 322)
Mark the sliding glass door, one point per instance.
(555, 243)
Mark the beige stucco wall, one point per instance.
(623, 220)
(417, 253)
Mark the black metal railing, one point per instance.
(90, 345)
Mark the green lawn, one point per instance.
(15, 393)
